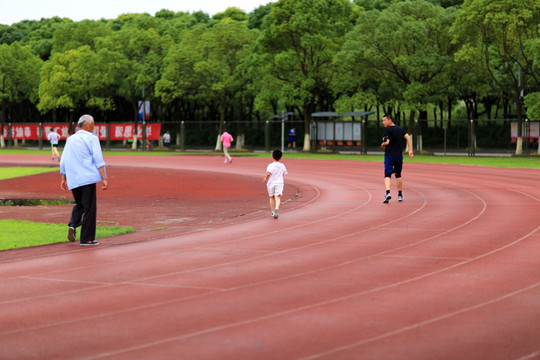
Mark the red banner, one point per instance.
(22, 132)
(120, 131)
(125, 131)
(61, 129)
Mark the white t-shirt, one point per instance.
(277, 170)
(53, 137)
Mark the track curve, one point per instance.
(449, 273)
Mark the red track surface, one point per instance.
(451, 273)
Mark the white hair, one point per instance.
(84, 119)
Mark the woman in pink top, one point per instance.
(227, 139)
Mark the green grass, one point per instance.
(12, 172)
(532, 162)
(19, 233)
(105, 152)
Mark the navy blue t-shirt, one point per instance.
(395, 134)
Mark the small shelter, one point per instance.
(328, 131)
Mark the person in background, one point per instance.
(167, 139)
(292, 138)
(53, 137)
(227, 139)
(81, 167)
(393, 155)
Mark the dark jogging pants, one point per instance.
(84, 212)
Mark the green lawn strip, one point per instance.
(532, 162)
(21, 233)
(13, 172)
(47, 152)
(18, 234)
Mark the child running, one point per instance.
(274, 182)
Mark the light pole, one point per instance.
(283, 117)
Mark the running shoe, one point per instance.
(400, 198)
(90, 243)
(276, 213)
(72, 233)
(387, 198)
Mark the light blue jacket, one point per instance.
(81, 159)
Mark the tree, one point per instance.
(532, 100)
(256, 17)
(499, 30)
(139, 50)
(37, 34)
(301, 37)
(75, 79)
(210, 64)
(405, 48)
(71, 35)
(19, 78)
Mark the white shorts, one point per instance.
(274, 190)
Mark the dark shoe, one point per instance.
(387, 198)
(400, 198)
(72, 234)
(90, 243)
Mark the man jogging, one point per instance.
(393, 155)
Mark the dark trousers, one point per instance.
(84, 212)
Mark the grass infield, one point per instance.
(16, 234)
(12, 172)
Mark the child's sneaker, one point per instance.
(387, 198)
(276, 213)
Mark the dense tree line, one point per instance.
(399, 56)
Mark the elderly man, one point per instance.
(82, 166)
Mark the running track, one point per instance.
(453, 272)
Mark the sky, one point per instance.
(13, 11)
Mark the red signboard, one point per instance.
(125, 131)
(22, 132)
(120, 131)
(534, 130)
